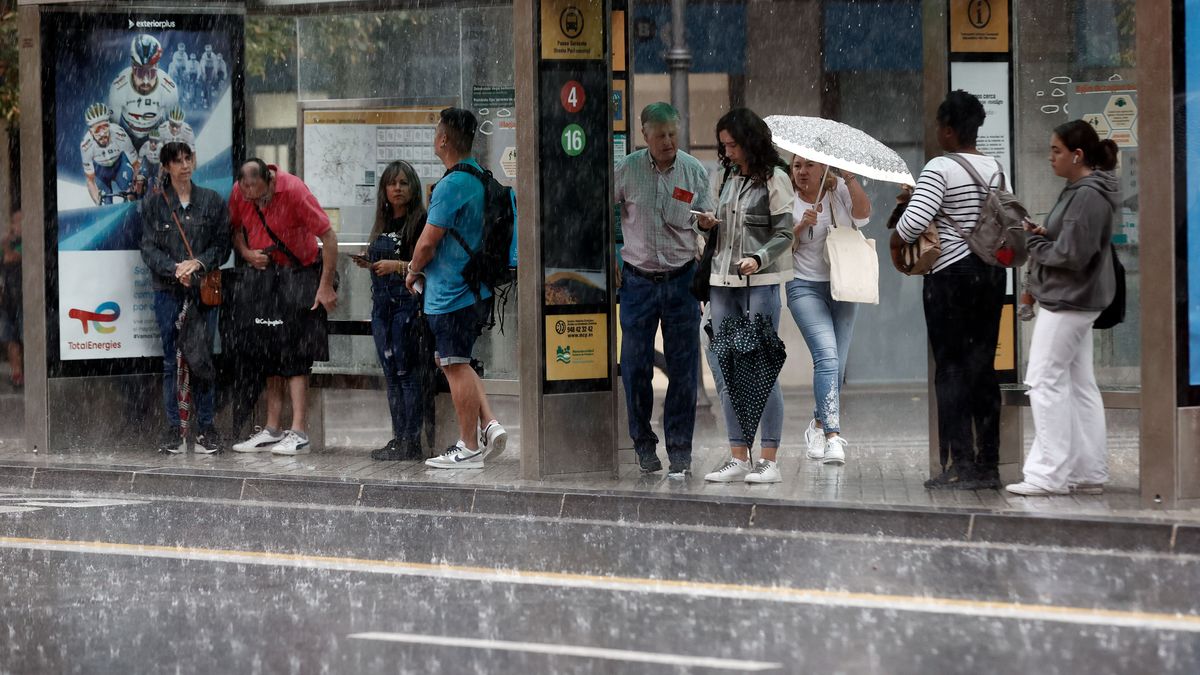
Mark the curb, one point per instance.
(952, 524)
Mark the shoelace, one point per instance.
(761, 467)
(451, 451)
(729, 465)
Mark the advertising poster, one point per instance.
(989, 82)
(126, 85)
(576, 347)
(1192, 134)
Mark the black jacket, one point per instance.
(205, 221)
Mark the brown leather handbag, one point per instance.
(210, 283)
(918, 257)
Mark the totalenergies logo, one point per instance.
(106, 312)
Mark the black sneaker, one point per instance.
(953, 479)
(208, 442)
(650, 465)
(391, 452)
(988, 479)
(172, 442)
(412, 449)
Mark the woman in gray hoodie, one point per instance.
(1073, 281)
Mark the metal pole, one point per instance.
(679, 62)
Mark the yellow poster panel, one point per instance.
(572, 30)
(576, 347)
(1006, 348)
(979, 26)
(618, 41)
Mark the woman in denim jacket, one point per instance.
(750, 262)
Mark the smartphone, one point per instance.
(360, 258)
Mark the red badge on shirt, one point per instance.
(683, 195)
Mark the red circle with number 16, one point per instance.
(572, 96)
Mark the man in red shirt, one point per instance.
(277, 221)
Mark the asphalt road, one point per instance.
(150, 586)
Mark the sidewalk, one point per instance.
(886, 465)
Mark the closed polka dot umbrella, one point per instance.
(751, 355)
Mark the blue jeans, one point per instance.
(167, 305)
(644, 305)
(827, 326)
(393, 316)
(733, 302)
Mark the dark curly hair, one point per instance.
(751, 133)
(962, 112)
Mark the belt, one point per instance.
(659, 277)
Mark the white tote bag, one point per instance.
(853, 266)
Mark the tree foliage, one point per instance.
(10, 73)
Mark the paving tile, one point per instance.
(187, 485)
(1187, 539)
(517, 502)
(418, 497)
(890, 523)
(301, 491)
(82, 480)
(16, 476)
(1098, 533)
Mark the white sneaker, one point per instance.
(835, 451)
(1026, 490)
(494, 438)
(292, 444)
(765, 471)
(260, 441)
(731, 471)
(457, 456)
(815, 439)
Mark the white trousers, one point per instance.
(1070, 442)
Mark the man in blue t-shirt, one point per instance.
(456, 314)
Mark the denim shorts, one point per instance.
(454, 333)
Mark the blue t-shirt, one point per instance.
(456, 204)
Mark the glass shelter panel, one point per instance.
(1076, 60)
(401, 61)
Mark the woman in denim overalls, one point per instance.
(395, 313)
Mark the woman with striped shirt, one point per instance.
(963, 297)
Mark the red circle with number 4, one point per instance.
(572, 96)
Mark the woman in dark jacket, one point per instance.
(1073, 281)
(183, 210)
(399, 220)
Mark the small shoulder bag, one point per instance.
(210, 283)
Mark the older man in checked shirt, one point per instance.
(657, 188)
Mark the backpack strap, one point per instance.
(977, 179)
(483, 176)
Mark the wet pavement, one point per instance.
(887, 462)
(144, 584)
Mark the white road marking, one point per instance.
(17, 509)
(569, 650)
(1187, 623)
(69, 502)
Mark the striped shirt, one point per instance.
(945, 188)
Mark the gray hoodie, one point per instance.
(1071, 265)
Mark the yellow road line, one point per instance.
(809, 596)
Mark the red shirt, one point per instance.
(293, 214)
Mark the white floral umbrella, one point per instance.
(839, 145)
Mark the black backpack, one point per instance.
(1115, 312)
(489, 266)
